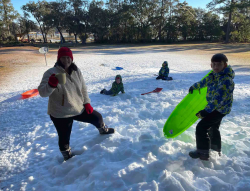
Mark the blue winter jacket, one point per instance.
(164, 71)
(220, 87)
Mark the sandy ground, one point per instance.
(21, 58)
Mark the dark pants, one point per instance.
(64, 126)
(164, 78)
(208, 133)
(106, 92)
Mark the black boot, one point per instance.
(167, 78)
(216, 148)
(159, 77)
(105, 130)
(67, 154)
(202, 154)
(101, 92)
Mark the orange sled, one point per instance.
(30, 93)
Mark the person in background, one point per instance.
(164, 71)
(117, 86)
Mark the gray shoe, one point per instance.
(105, 130)
(67, 154)
(202, 154)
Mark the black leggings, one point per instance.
(64, 126)
(207, 131)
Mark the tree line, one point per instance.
(130, 21)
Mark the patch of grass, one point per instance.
(56, 45)
(10, 43)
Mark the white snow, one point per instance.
(137, 156)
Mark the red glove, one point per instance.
(89, 109)
(53, 81)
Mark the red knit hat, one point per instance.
(64, 51)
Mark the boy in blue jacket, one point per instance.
(220, 87)
(164, 71)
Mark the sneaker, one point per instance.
(197, 154)
(67, 154)
(105, 130)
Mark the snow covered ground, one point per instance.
(137, 156)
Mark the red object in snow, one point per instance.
(155, 91)
(30, 93)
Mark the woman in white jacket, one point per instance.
(70, 101)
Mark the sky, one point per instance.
(194, 3)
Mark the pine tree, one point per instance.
(7, 16)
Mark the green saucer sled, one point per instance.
(184, 114)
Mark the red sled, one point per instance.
(30, 93)
(155, 91)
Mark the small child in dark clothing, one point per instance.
(117, 86)
(220, 87)
(164, 71)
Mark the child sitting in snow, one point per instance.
(117, 86)
(164, 71)
(220, 87)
